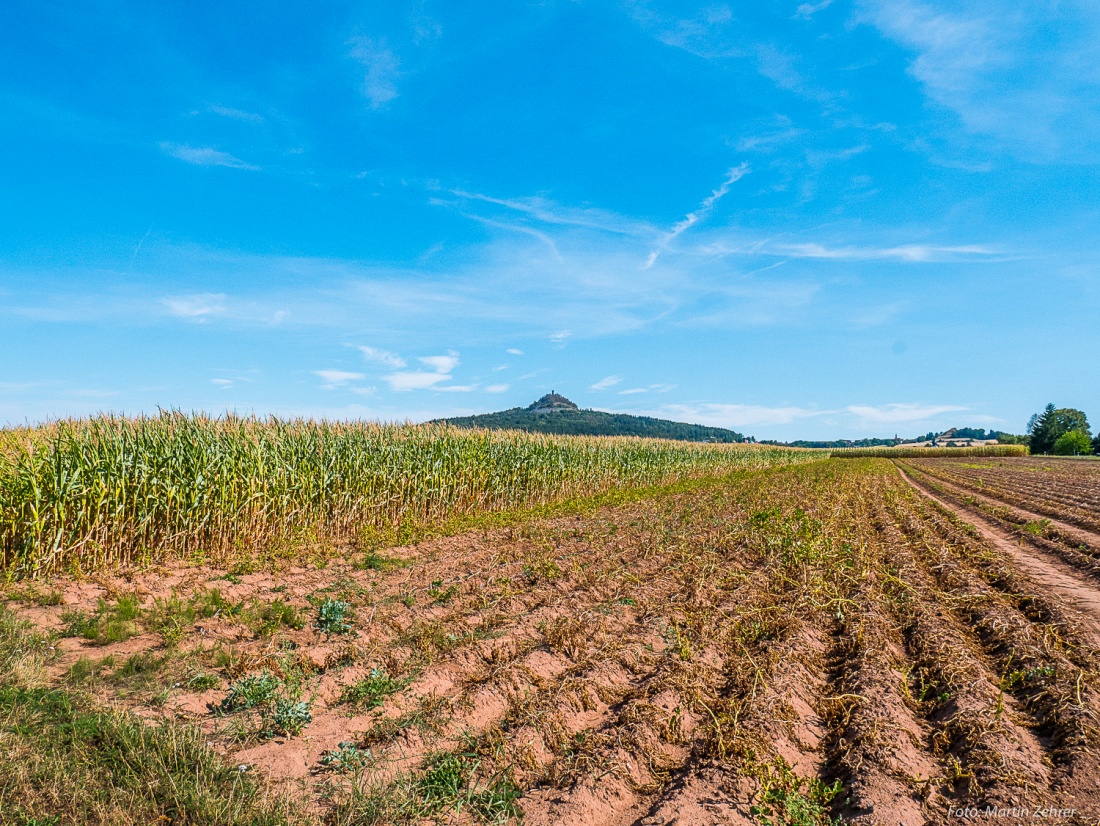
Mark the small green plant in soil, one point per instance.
(332, 617)
(33, 594)
(440, 594)
(265, 618)
(202, 682)
(541, 569)
(372, 690)
(371, 560)
(1027, 678)
(140, 667)
(88, 670)
(284, 716)
(346, 757)
(785, 799)
(110, 623)
(170, 616)
(1036, 527)
(211, 603)
(78, 763)
(250, 691)
(448, 784)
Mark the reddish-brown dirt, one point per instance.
(1049, 573)
(829, 641)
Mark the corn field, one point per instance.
(927, 452)
(97, 492)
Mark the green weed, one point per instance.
(64, 760)
(109, 624)
(287, 717)
(447, 785)
(250, 691)
(332, 617)
(265, 618)
(441, 595)
(202, 682)
(140, 665)
(785, 799)
(372, 690)
(347, 757)
(86, 669)
(1027, 678)
(1036, 527)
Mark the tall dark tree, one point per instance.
(1053, 422)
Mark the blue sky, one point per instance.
(830, 219)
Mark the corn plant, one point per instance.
(103, 491)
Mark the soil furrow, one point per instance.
(1059, 578)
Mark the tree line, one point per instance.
(1062, 431)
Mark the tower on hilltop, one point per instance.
(552, 402)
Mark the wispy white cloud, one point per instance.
(901, 413)
(734, 415)
(710, 35)
(204, 156)
(769, 139)
(779, 67)
(808, 10)
(818, 158)
(605, 383)
(546, 211)
(715, 34)
(199, 307)
(508, 285)
(414, 380)
(520, 228)
(230, 379)
(441, 364)
(425, 29)
(441, 369)
(383, 70)
(913, 253)
(653, 388)
(1027, 74)
(514, 352)
(497, 388)
(383, 357)
(334, 379)
(236, 114)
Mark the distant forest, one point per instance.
(835, 443)
(595, 423)
(960, 433)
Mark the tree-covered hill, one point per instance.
(549, 415)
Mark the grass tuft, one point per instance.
(372, 690)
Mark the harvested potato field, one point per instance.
(840, 641)
(1063, 489)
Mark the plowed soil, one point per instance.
(840, 640)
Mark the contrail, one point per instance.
(137, 249)
(692, 218)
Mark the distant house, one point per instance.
(949, 439)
